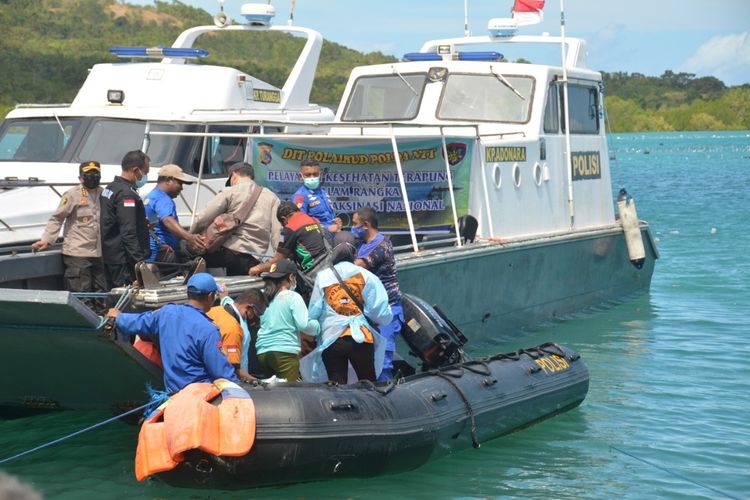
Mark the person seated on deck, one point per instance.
(253, 236)
(303, 240)
(313, 200)
(346, 300)
(161, 211)
(375, 253)
(286, 317)
(189, 341)
(238, 321)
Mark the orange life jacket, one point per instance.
(189, 421)
(149, 351)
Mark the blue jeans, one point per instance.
(390, 332)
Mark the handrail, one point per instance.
(450, 187)
(482, 164)
(198, 184)
(404, 194)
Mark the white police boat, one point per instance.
(503, 214)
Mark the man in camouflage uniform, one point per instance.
(78, 214)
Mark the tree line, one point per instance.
(674, 102)
(48, 46)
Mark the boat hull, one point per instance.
(313, 432)
(495, 291)
(62, 361)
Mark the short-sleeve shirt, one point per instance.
(315, 203)
(231, 333)
(378, 254)
(302, 239)
(159, 205)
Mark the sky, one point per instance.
(705, 37)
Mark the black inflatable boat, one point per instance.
(307, 432)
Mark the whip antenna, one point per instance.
(466, 18)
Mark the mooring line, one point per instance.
(676, 474)
(76, 433)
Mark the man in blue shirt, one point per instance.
(162, 213)
(313, 200)
(189, 342)
(375, 253)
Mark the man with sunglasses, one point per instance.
(161, 211)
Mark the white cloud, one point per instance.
(726, 57)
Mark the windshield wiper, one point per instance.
(404, 80)
(505, 82)
(65, 135)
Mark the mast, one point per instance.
(566, 112)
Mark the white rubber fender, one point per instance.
(632, 231)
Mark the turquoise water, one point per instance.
(670, 371)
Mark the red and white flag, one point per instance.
(526, 12)
(128, 202)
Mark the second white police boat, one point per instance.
(503, 213)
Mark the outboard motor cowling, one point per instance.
(430, 335)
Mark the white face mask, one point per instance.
(293, 284)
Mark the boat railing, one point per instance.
(391, 131)
(31, 182)
(25, 105)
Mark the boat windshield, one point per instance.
(487, 98)
(385, 97)
(40, 139)
(107, 141)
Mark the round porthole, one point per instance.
(516, 175)
(538, 174)
(497, 176)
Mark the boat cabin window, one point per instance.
(583, 108)
(496, 98)
(36, 139)
(385, 97)
(223, 152)
(108, 141)
(552, 110)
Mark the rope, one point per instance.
(120, 305)
(469, 409)
(384, 391)
(61, 439)
(676, 474)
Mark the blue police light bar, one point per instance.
(423, 56)
(480, 56)
(462, 56)
(183, 53)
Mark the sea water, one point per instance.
(669, 404)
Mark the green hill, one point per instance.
(674, 101)
(47, 46)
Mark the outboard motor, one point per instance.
(430, 335)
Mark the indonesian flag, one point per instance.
(526, 12)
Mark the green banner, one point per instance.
(363, 173)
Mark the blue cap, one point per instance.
(202, 283)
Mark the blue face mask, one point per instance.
(312, 182)
(358, 232)
(141, 182)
